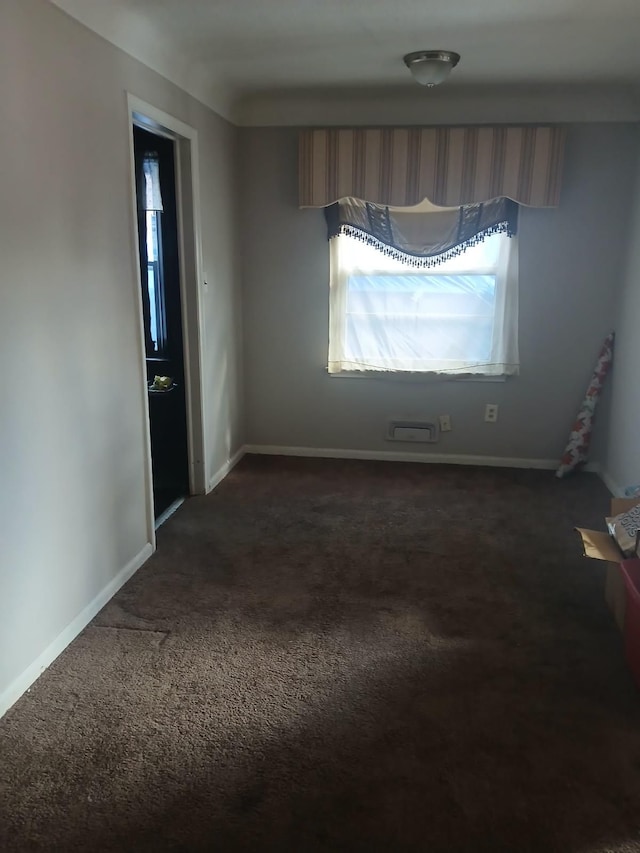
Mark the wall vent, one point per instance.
(421, 432)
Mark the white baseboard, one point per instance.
(616, 490)
(596, 468)
(403, 456)
(24, 681)
(228, 466)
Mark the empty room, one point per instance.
(320, 426)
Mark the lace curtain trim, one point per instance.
(422, 239)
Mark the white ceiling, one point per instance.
(227, 52)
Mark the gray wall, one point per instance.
(72, 429)
(570, 269)
(622, 462)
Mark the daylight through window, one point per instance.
(457, 317)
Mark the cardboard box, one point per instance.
(599, 545)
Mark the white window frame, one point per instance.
(504, 357)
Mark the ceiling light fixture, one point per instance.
(430, 67)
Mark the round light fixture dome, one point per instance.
(430, 67)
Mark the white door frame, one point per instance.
(185, 137)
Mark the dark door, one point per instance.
(160, 277)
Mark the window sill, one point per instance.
(426, 378)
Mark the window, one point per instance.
(459, 316)
(150, 213)
(155, 284)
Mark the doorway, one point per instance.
(160, 269)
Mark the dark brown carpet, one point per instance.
(329, 655)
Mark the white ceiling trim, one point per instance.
(116, 22)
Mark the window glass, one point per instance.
(153, 277)
(458, 316)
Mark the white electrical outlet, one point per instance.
(445, 423)
(491, 413)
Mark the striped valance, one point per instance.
(449, 166)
